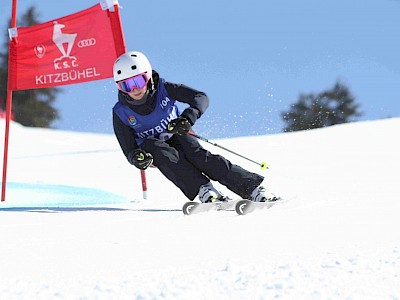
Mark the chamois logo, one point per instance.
(60, 38)
(64, 43)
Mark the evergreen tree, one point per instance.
(334, 106)
(30, 107)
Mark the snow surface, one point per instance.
(74, 224)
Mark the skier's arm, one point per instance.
(197, 100)
(125, 138)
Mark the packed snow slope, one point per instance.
(74, 224)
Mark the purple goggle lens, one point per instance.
(135, 82)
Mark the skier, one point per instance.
(151, 130)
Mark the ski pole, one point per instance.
(263, 165)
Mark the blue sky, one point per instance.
(252, 58)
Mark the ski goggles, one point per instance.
(135, 82)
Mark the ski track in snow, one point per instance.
(87, 234)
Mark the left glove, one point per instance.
(180, 125)
(141, 159)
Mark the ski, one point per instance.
(241, 206)
(244, 206)
(192, 207)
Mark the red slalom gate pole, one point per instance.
(144, 183)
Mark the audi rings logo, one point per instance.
(87, 43)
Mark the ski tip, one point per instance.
(187, 207)
(241, 207)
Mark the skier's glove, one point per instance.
(181, 125)
(141, 159)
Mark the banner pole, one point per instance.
(6, 138)
(118, 33)
(8, 105)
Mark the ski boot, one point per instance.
(207, 193)
(259, 194)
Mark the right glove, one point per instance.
(141, 159)
(181, 125)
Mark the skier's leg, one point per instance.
(218, 168)
(175, 167)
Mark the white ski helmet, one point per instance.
(131, 64)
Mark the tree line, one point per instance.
(35, 108)
(333, 106)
